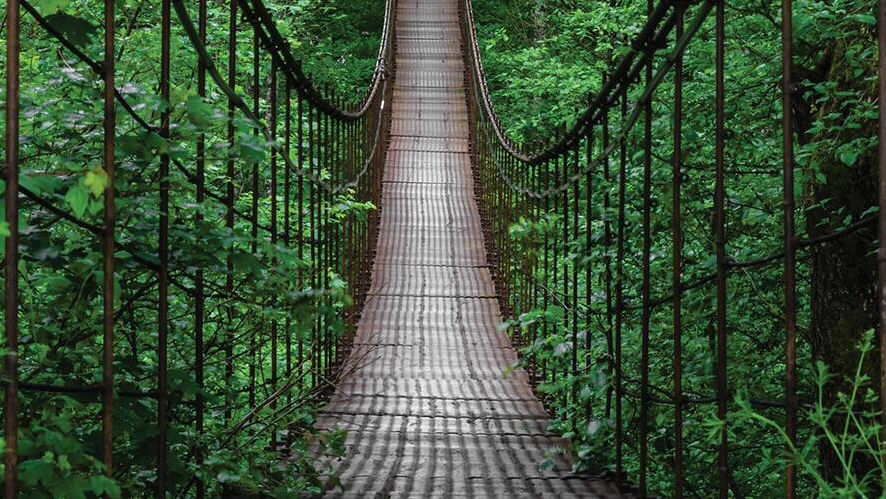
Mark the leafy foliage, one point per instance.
(61, 258)
(542, 58)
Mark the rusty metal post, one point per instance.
(163, 243)
(619, 297)
(720, 242)
(199, 284)
(109, 126)
(300, 354)
(676, 276)
(324, 237)
(881, 218)
(576, 193)
(10, 318)
(607, 261)
(646, 278)
(272, 104)
(589, 232)
(545, 171)
(312, 239)
(229, 214)
(790, 242)
(256, 328)
(645, 286)
(287, 221)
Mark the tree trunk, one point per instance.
(843, 272)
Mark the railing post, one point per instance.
(287, 227)
(677, 274)
(229, 215)
(300, 241)
(199, 298)
(720, 243)
(881, 219)
(163, 243)
(790, 242)
(646, 278)
(619, 295)
(109, 126)
(11, 250)
(258, 324)
(272, 111)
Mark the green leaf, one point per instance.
(199, 113)
(77, 198)
(866, 19)
(40, 184)
(245, 262)
(52, 6)
(32, 471)
(96, 180)
(75, 29)
(849, 157)
(103, 485)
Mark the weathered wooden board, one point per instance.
(431, 413)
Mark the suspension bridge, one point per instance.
(424, 378)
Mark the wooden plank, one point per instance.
(431, 413)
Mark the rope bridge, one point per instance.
(257, 204)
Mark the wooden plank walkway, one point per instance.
(430, 414)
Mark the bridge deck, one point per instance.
(431, 414)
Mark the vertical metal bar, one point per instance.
(576, 193)
(567, 319)
(589, 268)
(328, 145)
(720, 241)
(229, 215)
(619, 297)
(312, 231)
(10, 319)
(677, 281)
(300, 355)
(790, 240)
(335, 175)
(322, 227)
(881, 218)
(607, 261)
(287, 220)
(256, 328)
(555, 258)
(272, 104)
(545, 179)
(199, 285)
(645, 287)
(319, 238)
(163, 243)
(109, 125)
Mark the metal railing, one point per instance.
(581, 191)
(315, 149)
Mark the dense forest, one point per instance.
(263, 301)
(542, 59)
(244, 267)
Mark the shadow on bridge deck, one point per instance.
(430, 413)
